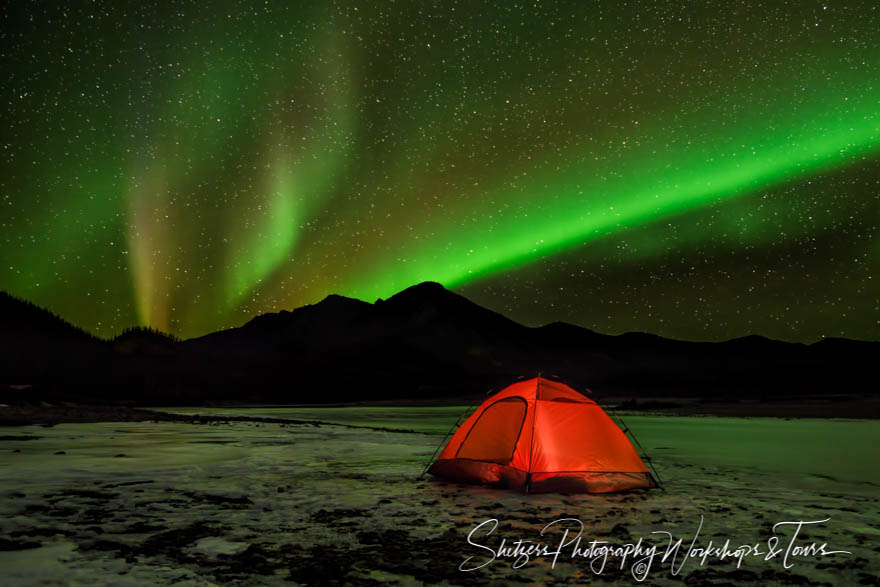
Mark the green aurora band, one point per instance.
(596, 209)
(247, 162)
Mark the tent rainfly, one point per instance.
(541, 435)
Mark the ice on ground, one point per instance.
(213, 547)
(256, 503)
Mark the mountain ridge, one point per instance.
(6, 296)
(424, 341)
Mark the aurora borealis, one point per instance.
(699, 171)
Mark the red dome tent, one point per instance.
(541, 435)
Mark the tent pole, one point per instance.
(442, 442)
(627, 430)
(532, 441)
(454, 426)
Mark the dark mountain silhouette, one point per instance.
(23, 321)
(38, 347)
(423, 342)
(141, 339)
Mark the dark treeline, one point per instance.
(424, 342)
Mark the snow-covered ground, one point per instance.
(257, 503)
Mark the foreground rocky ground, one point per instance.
(250, 503)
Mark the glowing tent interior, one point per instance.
(541, 435)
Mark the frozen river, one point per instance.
(803, 447)
(258, 503)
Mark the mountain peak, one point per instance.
(422, 292)
(338, 300)
(424, 287)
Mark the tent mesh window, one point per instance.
(494, 435)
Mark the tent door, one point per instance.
(494, 435)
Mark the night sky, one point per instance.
(697, 170)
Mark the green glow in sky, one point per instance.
(217, 164)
